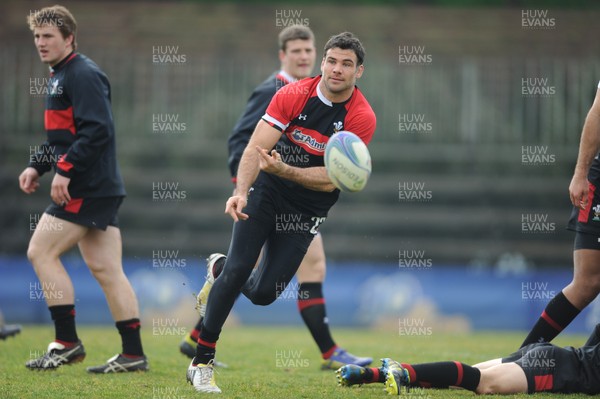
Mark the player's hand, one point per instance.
(578, 191)
(59, 191)
(234, 207)
(270, 163)
(29, 180)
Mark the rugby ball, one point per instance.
(348, 161)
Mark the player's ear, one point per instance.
(281, 55)
(359, 71)
(70, 39)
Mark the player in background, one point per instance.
(540, 367)
(297, 54)
(8, 330)
(301, 117)
(585, 221)
(86, 193)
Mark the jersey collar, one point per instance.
(62, 63)
(322, 96)
(325, 100)
(286, 76)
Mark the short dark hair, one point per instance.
(295, 32)
(346, 41)
(58, 16)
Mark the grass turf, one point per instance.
(264, 362)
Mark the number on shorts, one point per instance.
(315, 228)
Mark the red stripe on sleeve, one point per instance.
(289, 101)
(459, 377)
(306, 303)
(55, 119)
(74, 205)
(584, 214)
(543, 382)
(552, 323)
(64, 165)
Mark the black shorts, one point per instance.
(586, 241)
(587, 220)
(550, 368)
(283, 229)
(96, 213)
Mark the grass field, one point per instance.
(264, 362)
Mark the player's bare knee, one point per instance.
(94, 265)
(311, 271)
(32, 254)
(594, 284)
(587, 288)
(318, 270)
(103, 272)
(35, 254)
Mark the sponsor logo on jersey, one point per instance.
(307, 141)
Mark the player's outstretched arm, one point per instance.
(314, 178)
(588, 149)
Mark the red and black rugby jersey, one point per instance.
(307, 119)
(80, 130)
